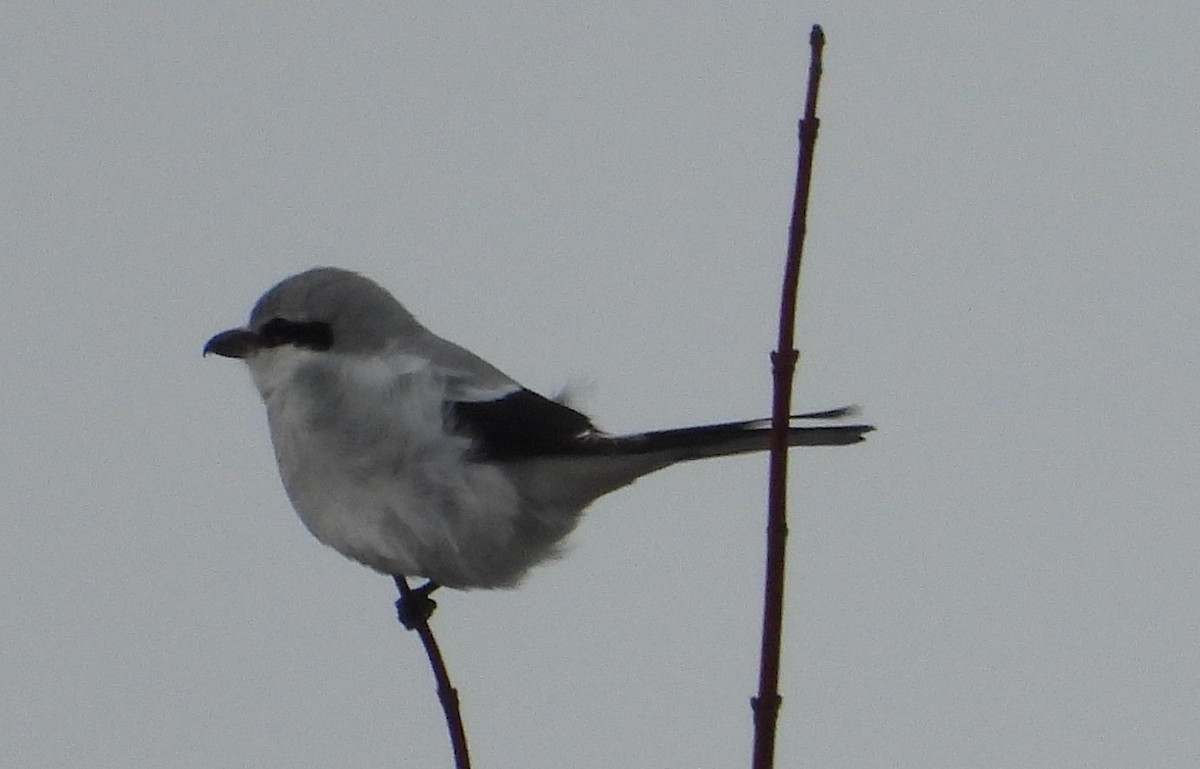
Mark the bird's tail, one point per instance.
(687, 443)
(619, 460)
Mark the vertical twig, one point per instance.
(447, 694)
(765, 706)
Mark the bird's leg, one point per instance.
(414, 606)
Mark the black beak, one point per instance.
(234, 343)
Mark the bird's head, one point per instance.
(324, 310)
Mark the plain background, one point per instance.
(1001, 269)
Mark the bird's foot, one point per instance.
(414, 606)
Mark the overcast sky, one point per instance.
(1001, 268)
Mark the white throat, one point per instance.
(273, 368)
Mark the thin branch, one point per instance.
(765, 706)
(447, 694)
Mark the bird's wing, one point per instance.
(520, 424)
(467, 376)
(507, 420)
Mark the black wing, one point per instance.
(520, 426)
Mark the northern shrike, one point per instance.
(415, 457)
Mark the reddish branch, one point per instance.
(447, 694)
(765, 706)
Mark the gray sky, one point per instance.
(1001, 269)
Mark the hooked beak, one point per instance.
(234, 343)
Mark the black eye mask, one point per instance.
(311, 335)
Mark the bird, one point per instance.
(415, 457)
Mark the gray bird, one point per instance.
(415, 457)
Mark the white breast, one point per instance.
(369, 466)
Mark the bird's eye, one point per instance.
(311, 335)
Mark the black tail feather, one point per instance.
(838, 413)
(728, 437)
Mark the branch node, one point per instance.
(784, 362)
(765, 706)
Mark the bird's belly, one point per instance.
(392, 489)
(461, 524)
